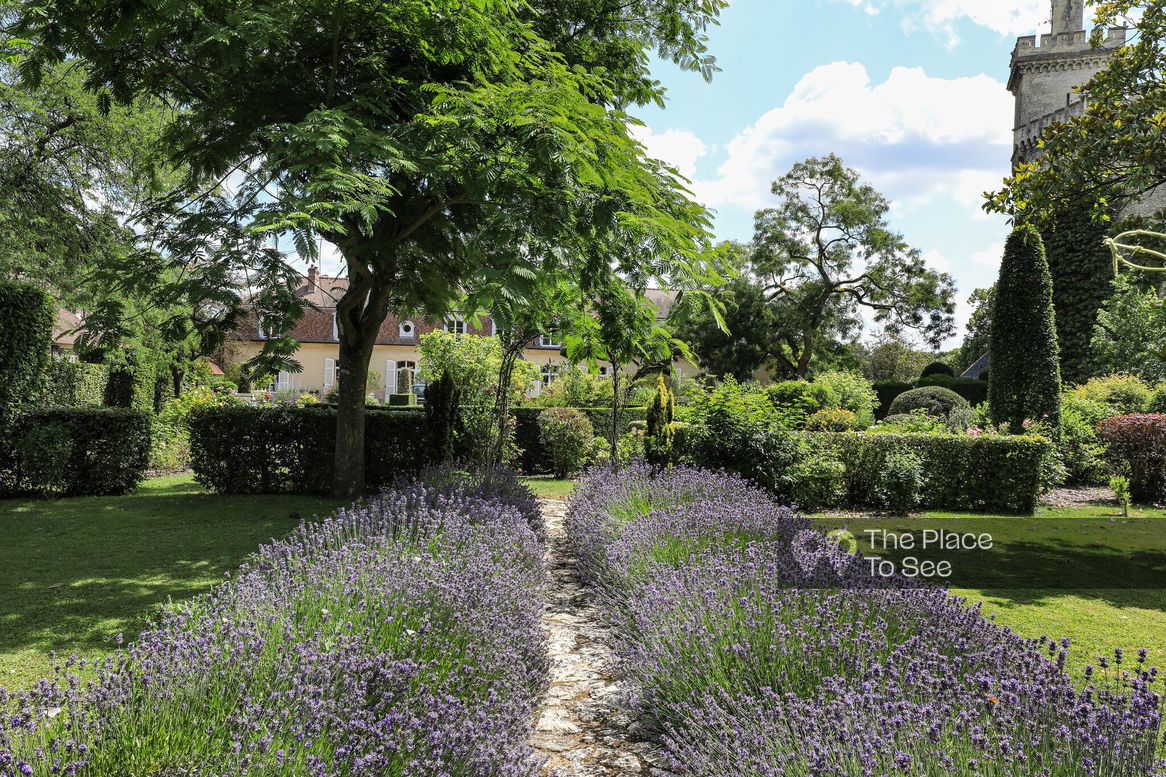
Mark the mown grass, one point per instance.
(1085, 573)
(549, 488)
(75, 573)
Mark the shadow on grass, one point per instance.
(74, 573)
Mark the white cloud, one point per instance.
(1006, 17)
(989, 257)
(913, 136)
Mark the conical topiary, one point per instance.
(1025, 379)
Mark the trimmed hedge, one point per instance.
(26, 336)
(74, 384)
(971, 389)
(290, 450)
(76, 452)
(534, 459)
(984, 474)
(887, 391)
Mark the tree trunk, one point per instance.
(511, 350)
(615, 376)
(348, 475)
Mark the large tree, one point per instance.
(826, 254)
(411, 134)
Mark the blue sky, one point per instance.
(910, 92)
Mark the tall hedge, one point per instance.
(76, 452)
(26, 339)
(534, 459)
(290, 450)
(1025, 379)
(1079, 264)
(74, 384)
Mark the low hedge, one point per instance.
(75, 452)
(963, 472)
(291, 450)
(534, 459)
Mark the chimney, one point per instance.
(1068, 16)
(313, 278)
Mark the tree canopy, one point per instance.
(414, 135)
(826, 255)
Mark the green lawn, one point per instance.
(547, 488)
(1085, 573)
(74, 573)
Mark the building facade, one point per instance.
(396, 356)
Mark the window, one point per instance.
(455, 325)
(262, 330)
(335, 327)
(493, 328)
(603, 372)
(549, 372)
(549, 341)
(400, 377)
(407, 330)
(329, 373)
(283, 381)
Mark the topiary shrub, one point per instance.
(658, 424)
(934, 400)
(1025, 383)
(832, 419)
(937, 368)
(1127, 394)
(1139, 442)
(899, 488)
(887, 391)
(566, 435)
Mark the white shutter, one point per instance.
(390, 377)
(329, 373)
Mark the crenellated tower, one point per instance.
(1046, 74)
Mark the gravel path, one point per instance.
(583, 730)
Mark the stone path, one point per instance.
(583, 730)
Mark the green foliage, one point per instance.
(832, 419)
(170, 431)
(442, 400)
(892, 359)
(1139, 442)
(819, 481)
(887, 391)
(1125, 393)
(77, 452)
(658, 429)
(133, 382)
(1157, 401)
(916, 422)
(1082, 282)
(802, 398)
(854, 393)
(1082, 454)
(975, 391)
(1025, 382)
(26, 330)
(1121, 489)
(933, 400)
(899, 488)
(74, 384)
(1130, 336)
(291, 450)
(574, 387)
(565, 434)
(938, 369)
(1001, 473)
(532, 456)
(826, 253)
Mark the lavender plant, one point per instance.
(758, 647)
(399, 637)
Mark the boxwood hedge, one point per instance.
(290, 450)
(534, 459)
(962, 472)
(75, 452)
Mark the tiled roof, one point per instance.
(65, 327)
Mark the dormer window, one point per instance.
(455, 325)
(407, 330)
(549, 341)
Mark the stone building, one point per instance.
(1047, 72)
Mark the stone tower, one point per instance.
(1045, 76)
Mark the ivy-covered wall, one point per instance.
(1082, 273)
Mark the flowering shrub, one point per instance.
(401, 636)
(1139, 441)
(756, 646)
(1125, 393)
(833, 419)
